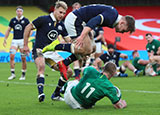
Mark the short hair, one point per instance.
(75, 4)
(135, 51)
(110, 46)
(110, 68)
(148, 34)
(19, 7)
(131, 23)
(61, 4)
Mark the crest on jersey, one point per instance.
(18, 27)
(22, 22)
(153, 46)
(59, 27)
(52, 35)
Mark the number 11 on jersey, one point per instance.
(92, 89)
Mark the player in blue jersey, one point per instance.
(48, 29)
(18, 25)
(114, 57)
(87, 18)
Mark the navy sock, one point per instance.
(77, 72)
(40, 84)
(69, 60)
(64, 47)
(59, 86)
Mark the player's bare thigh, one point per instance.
(40, 64)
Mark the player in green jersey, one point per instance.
(153, 49)
(92, 87)
(143, 65)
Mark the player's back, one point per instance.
(92, 87)
(90, 11)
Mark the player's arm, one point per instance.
(120, 104)
(158, 51)
(27, 32)
(68, 39)
(100, 36)
(143, 62)
(124, 56)
(6, 36)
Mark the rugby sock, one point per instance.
(70, 59)
(12, 71)
(23, 73)
(59, 86)
(40, 83)
(77, 72)
(64, 47)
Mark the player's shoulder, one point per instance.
(14, 18)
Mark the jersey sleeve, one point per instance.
(27, 22)
(103, 58)
(95, 21)
(111, 93)
(38, 22)
(64, 32)
(101, 31)
(11, 23)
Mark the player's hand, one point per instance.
(26, 50)
(79, 42)
(4, 43)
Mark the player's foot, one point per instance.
(22, 78)
(57, 97)
(13, 76)
(63, 69)
(137, 72)
(41, 97)
(123, 75)
(51, 47)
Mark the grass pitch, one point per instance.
(20, 97)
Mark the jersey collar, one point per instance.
(20, 17)
(118, 19)
(52, 16)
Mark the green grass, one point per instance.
(20, 97)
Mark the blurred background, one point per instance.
(146, 13)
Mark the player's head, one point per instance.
(60, 10)
(149, 37)
(126, 24)
(76, 6)
(109, 69)
(111, 48)
(19, 11)
(135, 54)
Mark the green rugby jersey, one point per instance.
(92, 87)
(153, 46)
(137, 65)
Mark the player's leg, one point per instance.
(24, 63)
(56, 94)
(128, 65)
(13, 51)
(77, 69)
(40, 64)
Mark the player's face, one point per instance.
(19, 12)
(75, 7)
(111, 50)
(59, 13)
(149, 38)
(122, 27)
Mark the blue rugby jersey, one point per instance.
(111, 57)
(48, 30)
(18, 26)
(97, 15)
(96, 32)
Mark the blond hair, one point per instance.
(61, 4)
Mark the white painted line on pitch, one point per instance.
(141, 91)
(53, 85)
(24, 83)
